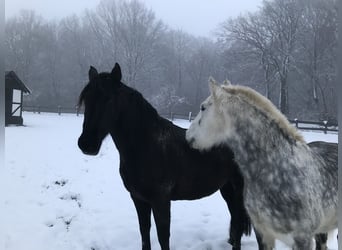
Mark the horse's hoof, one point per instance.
(235, 246)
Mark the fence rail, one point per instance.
(50, 109)
(324, 126)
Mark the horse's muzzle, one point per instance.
(88, 147)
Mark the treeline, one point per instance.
(286, 50)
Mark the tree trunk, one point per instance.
(284, 105)
(267, 81)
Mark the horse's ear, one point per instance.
(92, 73)
(227, 82)
(213, 86)
(116, 72)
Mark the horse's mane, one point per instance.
(262, 103)
(82, 95)
(143, 104)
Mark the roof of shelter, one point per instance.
(12, 80)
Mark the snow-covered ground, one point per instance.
(53, 197)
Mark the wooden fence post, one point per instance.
(296, 122)
(325, 126)
(190, 116)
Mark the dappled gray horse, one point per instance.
(290, 187)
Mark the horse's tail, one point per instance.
(240, 220)
(247, 227)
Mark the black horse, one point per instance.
(156, 163)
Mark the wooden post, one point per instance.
(77, 110)
(190, 116)
(325, 126)
(296, 122)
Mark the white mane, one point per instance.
(262, 103)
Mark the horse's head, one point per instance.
(230, 111)
(99, 98)
(209, 127)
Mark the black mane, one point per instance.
(82, 95)
(97, 87)
(143, 104)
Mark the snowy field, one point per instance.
(52, 197)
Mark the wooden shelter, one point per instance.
(14, 90)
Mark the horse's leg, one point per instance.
(240, 222)
(161, 214)
(264, 242)
(301, 243)
(236, 224)
(259, 240)
(144, 216)
(321, 241)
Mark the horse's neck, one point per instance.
(258, 144)
(131, 136)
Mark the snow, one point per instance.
(54, 197)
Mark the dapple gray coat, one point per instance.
(290, 188)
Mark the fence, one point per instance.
(324, 126)
(50, 109)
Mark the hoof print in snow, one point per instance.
(49, 224)
(66, 222)
(61, 182)
(72, 197)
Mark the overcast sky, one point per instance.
(197, 17)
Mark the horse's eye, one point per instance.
(202, 107)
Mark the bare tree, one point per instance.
(167, 99)
(51, 58)
(283, 22)
(285, 39)
(138, 33)
(272, 32)
(203, 63)
(181, 44)
(317, 57)
(257, 44)
(21, 40)
(103, 24)
(128, 31)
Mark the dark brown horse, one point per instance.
(156, 163)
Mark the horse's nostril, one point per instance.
(90, 152)
(87, 146)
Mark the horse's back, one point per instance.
(328, 151)
(324, 147)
